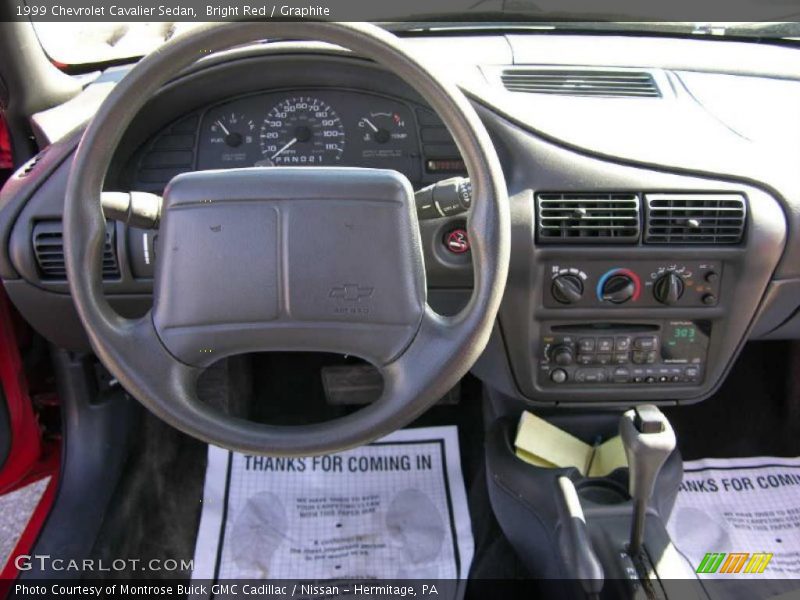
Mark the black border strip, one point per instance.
(222, 526)
(771, 465)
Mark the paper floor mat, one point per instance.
(748, 507)
(394, 509)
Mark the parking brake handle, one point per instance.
(648, 439)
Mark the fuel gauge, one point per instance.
(233, 130)
(230, 141)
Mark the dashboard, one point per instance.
(651, 236)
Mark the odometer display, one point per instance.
(302, 131)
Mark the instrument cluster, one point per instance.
(310, 128)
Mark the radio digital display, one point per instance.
(685, 342)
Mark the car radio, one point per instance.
(664, 352)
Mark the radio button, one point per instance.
(621, 375)
(644, 358)
(586, 345)
(602, 359)
(585, 359)
(645, 343)
(622, 344)
(590, 375)
(605, 345)
(621, 359)
(558, 376)
(692, 373)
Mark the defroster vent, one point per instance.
(581, 82)
(695, 218)
(588, 218)
(48, 246)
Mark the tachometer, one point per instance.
(302, 131)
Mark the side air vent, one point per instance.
(48, 246)
(582, 82)
(587, 218)
(695, 218)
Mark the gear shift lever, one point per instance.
(648, 439)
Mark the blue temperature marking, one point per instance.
(603, 281)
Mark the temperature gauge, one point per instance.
(383, 134)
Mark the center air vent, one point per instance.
(695, 218)
(587, 218)
(48, 246)
(581, 82)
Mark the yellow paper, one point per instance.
(610, 455)
(544, 445)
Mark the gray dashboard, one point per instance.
(685, 141)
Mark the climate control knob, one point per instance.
(618, 289)
(668, 288)
(567, 289)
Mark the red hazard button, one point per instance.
(457, 241)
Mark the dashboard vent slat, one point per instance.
(587, 218)
(695, 218)
(581, 82)
(48, 247)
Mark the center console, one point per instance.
(627, 283)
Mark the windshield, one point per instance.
(70, 43)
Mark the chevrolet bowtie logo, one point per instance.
(351, 291)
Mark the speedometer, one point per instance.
(302, 131)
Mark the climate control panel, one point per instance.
(642, 284)
(668, 352)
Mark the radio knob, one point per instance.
(567, 289)
(562, 355)
(668, 288)
(618, 289)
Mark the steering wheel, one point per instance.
(312, 259)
